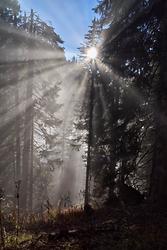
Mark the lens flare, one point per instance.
(92, 53)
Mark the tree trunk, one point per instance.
(159, 173)
(28, 134)
(27, 146)
(18, 141)
(30, 205)
(88, 167)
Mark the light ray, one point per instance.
(92, 53)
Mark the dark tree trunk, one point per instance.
(90, 128)
(18, 136)
(159, 174)
(30, 204)
(27, 147)
(28, 136)
(17, 121)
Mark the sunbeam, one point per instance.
(83, 124)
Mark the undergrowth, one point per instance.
(104, 229)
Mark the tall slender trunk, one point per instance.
(28, 134)
(159, 174)
(18, 139)
(27, 146)
(30, 205)
(90, 128)
(17, 121)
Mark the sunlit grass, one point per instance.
(12, 240)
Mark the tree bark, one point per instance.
(30, 205)
(18, 139)
(90, 128)
(159, 173)
(28, 134)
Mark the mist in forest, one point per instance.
(40, 92)
(83, 124)
(81, 128)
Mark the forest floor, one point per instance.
(133, 228)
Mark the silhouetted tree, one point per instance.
(129, 87)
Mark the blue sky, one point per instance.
(70, 18)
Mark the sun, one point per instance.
(92, 53)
